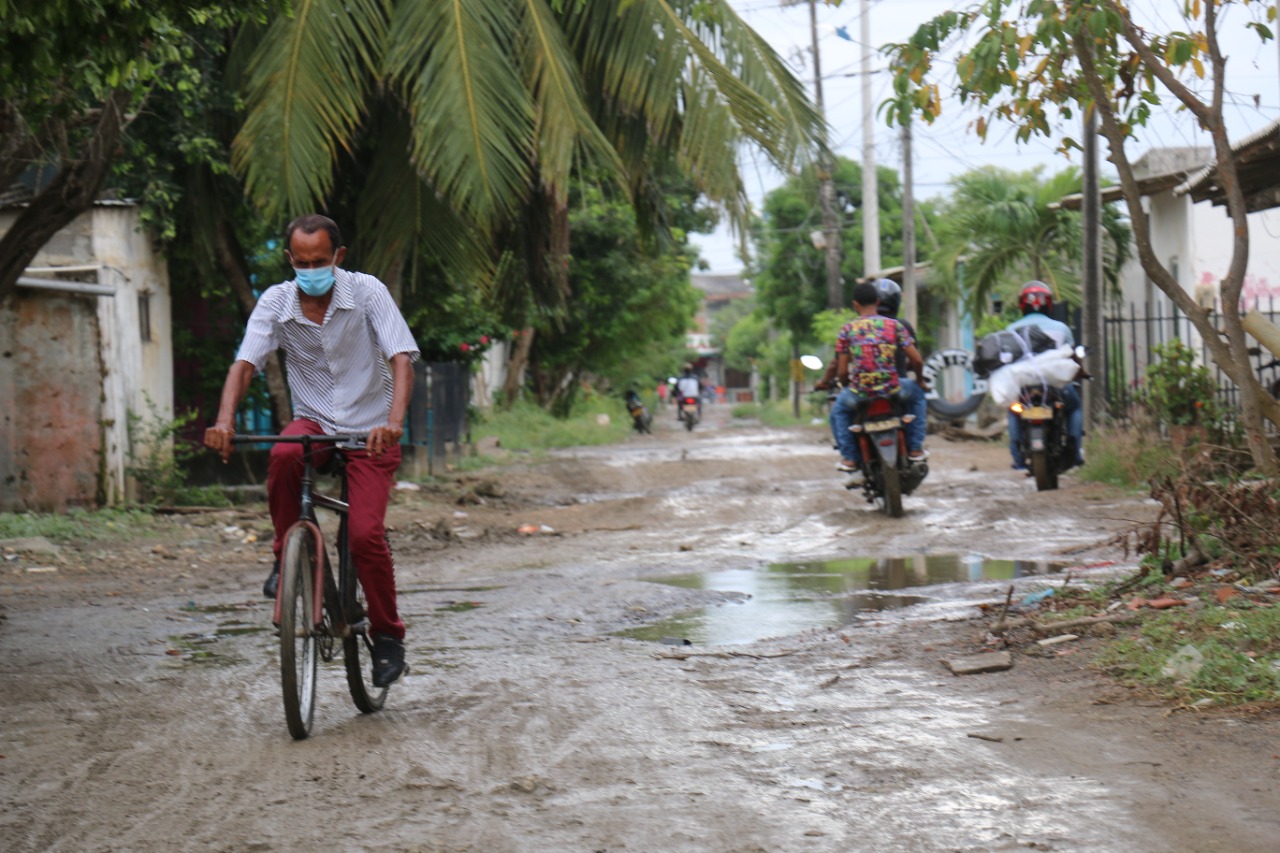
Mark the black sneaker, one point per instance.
(388, 660)
(272, 581)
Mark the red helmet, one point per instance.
(1035, 296)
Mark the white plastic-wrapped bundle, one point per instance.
(1054, 367)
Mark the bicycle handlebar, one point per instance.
(354, 438)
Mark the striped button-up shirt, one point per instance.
(338, 371)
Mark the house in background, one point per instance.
(85, 342)
(718, 292)
(1194, 241)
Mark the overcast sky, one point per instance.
(947, 148)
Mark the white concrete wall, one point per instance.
(137, 374)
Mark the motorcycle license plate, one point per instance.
(1037, 444)
(881, 426)
(1037, 413)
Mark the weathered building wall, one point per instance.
(50, 398)
(131, 361)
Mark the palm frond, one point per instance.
(305, 92)
(564, 127)
(454, 63)
(398, 212)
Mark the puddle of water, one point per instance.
(788, 598)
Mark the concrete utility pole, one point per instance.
(826, 183)
(909, 312)
(1091, 210)
(870, 195)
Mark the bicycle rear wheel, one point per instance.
(298, 645)
(366, 697)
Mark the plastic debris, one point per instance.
(1037, 597)
(1183, 664)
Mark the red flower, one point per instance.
(465, 347)
(484, 339)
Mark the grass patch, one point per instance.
(1128, 457)
(77, 524)
(526, 427)
(779, 413)
(1239, 650)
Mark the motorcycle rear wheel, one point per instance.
(1042, 469)
(892, 500)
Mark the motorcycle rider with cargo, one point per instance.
(1036, 302)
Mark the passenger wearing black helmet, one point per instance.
(911, 391)
(1036, 302)
(866, 365)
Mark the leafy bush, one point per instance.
(1178, 391)
(157, 460)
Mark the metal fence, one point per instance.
(438, 411)
(1130, 340)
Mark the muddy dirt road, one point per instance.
(139, 706)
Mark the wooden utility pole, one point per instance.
(826, 180)
(1091, 210)
(870, 194)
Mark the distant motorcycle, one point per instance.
(689, 412)
(641, 420)
(888, 472)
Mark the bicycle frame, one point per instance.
(309, 500)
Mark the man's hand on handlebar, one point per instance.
(218, 439)
(383, 438)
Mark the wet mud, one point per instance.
(555, 704)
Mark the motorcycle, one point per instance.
(888, 472)
(640, 419)
(689, 412)
(1045, 444)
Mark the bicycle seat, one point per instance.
(335, 465)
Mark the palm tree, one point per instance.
(1008, 229)
(481, 110)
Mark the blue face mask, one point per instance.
(314, 282)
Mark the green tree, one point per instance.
(630, 296)
(482, 111)
(1030, 63)
(73, 75)
(1006, 229)
(790, 280)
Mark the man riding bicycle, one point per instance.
(349, 354)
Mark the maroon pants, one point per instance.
(369, 480)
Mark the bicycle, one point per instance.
(310, 625)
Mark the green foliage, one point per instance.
(493, 108)
(526, 427)
(629, 295)
(1006, 228)
(1126, 456)
(157, 460)
(791, 279)
(77, 525)
(1240, 647)
(1178, 391)
(778, 413)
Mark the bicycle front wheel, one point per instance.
(298, 645)
(366, 697)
